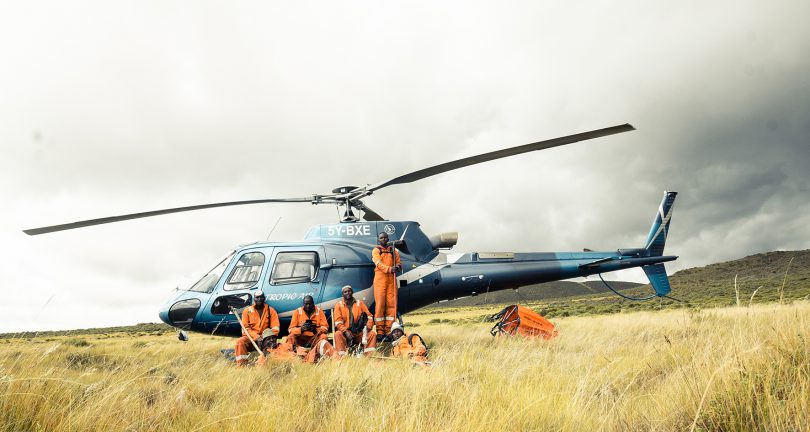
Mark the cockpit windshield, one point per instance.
(207, 282)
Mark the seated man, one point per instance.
(259, 320)
(353, 323)
(308, 326)
(408, 346)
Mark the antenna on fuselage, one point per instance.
(274, 228)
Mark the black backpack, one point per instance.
(410, 342)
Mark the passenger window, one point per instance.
(246, 272)
(292, 267)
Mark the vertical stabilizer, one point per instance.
(660, 227)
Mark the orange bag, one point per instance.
(518, 320)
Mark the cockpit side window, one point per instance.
(294, 267)
(209, 281)
(246, 272)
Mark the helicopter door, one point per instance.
(295, 273)
(235, 290)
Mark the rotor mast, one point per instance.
(349, 197)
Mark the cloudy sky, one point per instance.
(117, 107)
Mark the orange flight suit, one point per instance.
(255, 321)
(322, 349)
(283, 351)
(307, 339)
(385, 287)
(344, 317)
(410, 346)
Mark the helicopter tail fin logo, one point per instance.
(660, 227)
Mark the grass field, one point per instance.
(725, 369)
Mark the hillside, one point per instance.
(763, 276)
(714, 284)
(142, 329)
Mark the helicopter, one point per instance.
(334, 255)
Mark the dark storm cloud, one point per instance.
(751, 161)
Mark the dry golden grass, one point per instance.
(720, 369)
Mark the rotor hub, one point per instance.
(344, 189)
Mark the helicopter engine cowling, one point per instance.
(444, 240)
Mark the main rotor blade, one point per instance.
(512, 151)
(106, 220)
(370, 215)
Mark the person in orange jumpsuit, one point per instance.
(278, 350)
(350, 331)
(308, 325)
(322, 350)
(408, 346)
(257, 319)
(386, 265)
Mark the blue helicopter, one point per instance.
(334, 255)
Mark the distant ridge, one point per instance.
(713, 285)
(141, 329)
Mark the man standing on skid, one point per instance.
(386, 265)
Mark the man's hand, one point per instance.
(308, 327)
(396, 268)
(349, 337)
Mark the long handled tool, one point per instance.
(361, 350)
(262, 359)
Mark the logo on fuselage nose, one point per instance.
(389, 229)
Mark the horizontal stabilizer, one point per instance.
(657, 275)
